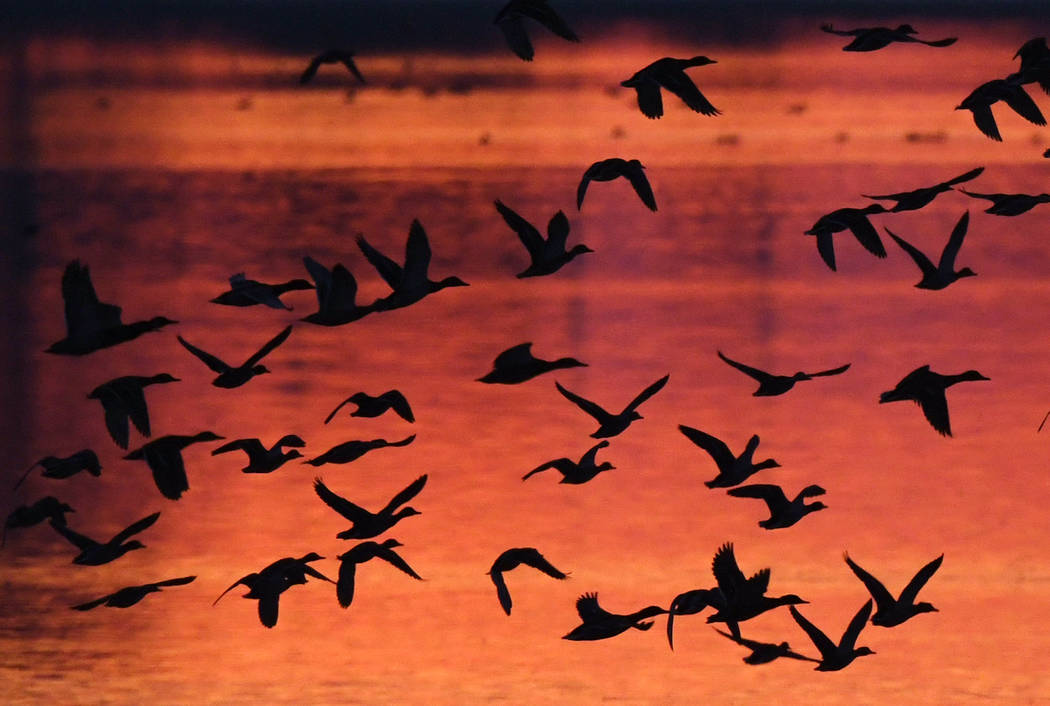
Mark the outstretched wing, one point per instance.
(586, 405)
(405, 495)
(516, 36)
(75, 538)
(417, 253)
(912, 589)
(394, 559)
(134, 528)
(875, 587)
(311, 69)
(588, 608)
(532, 557)
(683, 87)
(647, 393)
(820, 640)
(849, 638)
(270, 345)
(389, 270)
(773, 495)
(399, 403)
(337, 408)
(641, 186)
(715, 447)
(85, 314)
(527, 233)
(833, 371)
(955, 241)
(760, 375)
(352, 512)
(728, 575)
(924, 263)
(208, 359)
(501, 590)
(515, 356)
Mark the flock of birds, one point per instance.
(734, 598)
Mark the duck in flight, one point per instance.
(91, 324)
(260, 458)
(943, 273)
(248, 292)
(365, 524)
(782, 512)
(890, 611)
(46, 508)
(510, 21)
(368, 406)
(576, 473)
(855, 220)
(230, 376)
(926, 388)
(61, 468)
(770, 385)
(94, 553)
(765, 652)
(512, 559)
(599, 624)
(123, 399)
(517, 364)
(1010, 204)
(130, 595)
(267, 585)
(336, 295)
(872, 38)
(164, 458)
(331, 56)
(350, 451)
(835, 657)
(613, 424)
(741, 598)
(669, 73)
(1035, 64)
(548, 254)
(980, 101)
(613, 168)
(732, 470)
(359, 554)
(917, 198)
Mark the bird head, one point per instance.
(259, 369)
(391, 543)
(861, 651)
(164, 377)
(925, 607)
(790, 599)
(133, 544)
(701, 61)
(966, 272)
(408, 512)
(906, 29)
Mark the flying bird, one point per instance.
(260, 458)
(512, 559)
(855, 220)
(350, 451)
(764, 652)
(130, 595)
(835, 657)
(61, 468)
(332, 56)
(669, 73)
(517, 364)
(336, 295)
(365, 524)
(359, 554)
(1035, 64)
(613, 424)
(124, 399)
(573, 472)
(890, 611)
(943, 273)
(267, 585)
(93, 553)
(164, 458)
(368, 406)
(782, 512)
(46, 508)
(249, 292)
(741, 598)
(770, 385)
(548, 254)
(732, 470)
(1010, 204)
(917, 198)
(230, 376)
(980, 101)
(872, 38)
(691, 603)
(599, 624)
(613, 168)
(510, 21)
(926, 388)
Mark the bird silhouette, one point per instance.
(1035, 64)
(890, 611)
(576, 473)
(46, 508)
(512, 559)
(230, 376)
(691, 603)
(61, 468)
(1010, 204)
(249, 292)
(548, 254)
(741, 598)
(164, 458)
(510, 21)
(599, 624)
(732, 470)
(765, 652)
(872, 38)
(517, 364)
(782, 512)
(368, 406)
(854, 220)
(835, 657)
(349, 451)
(360, 553)
(260, 458)
(613, 424)
(612, 168)
(770, 385)
(93, 553)
(336, 295)
(917, 198)
(365, 524)
(926, 388)
(331, 56)
(267, 585)
(669, 73)
(943, 273)
(123, 399)
(980, 102)
(130, 595)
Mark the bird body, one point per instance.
(130, 595)
(359, 554)
(765, 652)
(599, 624)
(230, 376)
(573, 472)
(369, 406)
(613, 168)
(669, 73)
(261, 459)
(164, 458)
(1035, 64)
(512, 559)
(510, 21)
(613, 424)
(770, 385)
(926, 388)
(835, 657)
(123, 399)
(548, 255)
(517, 364)
(943, 273)
(890, 611)
(854, 220)
(93, 553)
(350, 451)
(365, 524)
(782, 512)
(732, 470)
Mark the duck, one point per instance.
(336, 295)
(369, 406)
(62, 468)
(510, 21)
(835, 657)
(512, 559)
(615, 167)
(872, 38)
(93, 553)
(765, 652)
(331, 56)
(855, 220)
(229, 376)
(1035, 64)
(782, 512)
(360, 553)
(732, 470)
(741, 598)
(691, 603)
(267, 585)
(46, 508)
(917, 198)
(124, 399)
(1010, 204)
(547, 255)
(669, 73)
(90, 324)
(890, 611)
(926, 388)
(980, 101)
(770, 385)
(943, 273)
(576, 473)
(260, 458)
(599, 624)
(517, 364)
(350, 451)
(130, 595)
(164, 458)
(365, 524)
(249, 292)
(613, 424)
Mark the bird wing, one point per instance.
(715, 447)
(242, 580)
(417, 253)
(935, 408)
(826, 248)
(985, 121)
(647, 393)
(833, 371)
(917, 255)
(311, 69)
(586, 405)
(772, 494)
(395, 559)
(75, 538)
(516, 36)
(556, 463)
(501, 590)
(270, 345)
(875, 587)
(348, 61)
(955, 241)
(268, 606)
(727, 573)
(533, 558)
(759, 375)
(93, 604)
(116, 417)
(322, 281)
(581, 190)
(849, 638)
(208, 359)
(919, 580)
(399, 403)
(134, 403)
(389, 270)
(683, 87)
(989, 197)
(344, 507)
(641, 186)
(252, 447)
(972, 174)
(820, 640)
(85, 314)
(134, 528)
(338, 407)
(588, 608)
(1023, 105)
(169, 472)
(405, 495)
(515, 356)
(546, 16)
(841, 32)
(175, 582)
(866, 234)
(344, 588)
(527, 233)
(650, 102)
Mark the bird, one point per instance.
(980, 101)
(1010, 204)
(890, 611)
(267, 585)
(765, 652)
(740, 598)
(599, 624)
(249, 292)
(732, 470)
(229, 376)
(856, 221)
(926, 388)
(409, 283)
(872, 38)
(547, 255)
(94, 553)
(164, 458)
(331, 56)
(46, 508)
(917, 198)
(512, 559)
(360, 553)
(365, 524)
(510, 21)
(576, 473)
(336, 295)
(943, 273)
(613, 424)
(835, 657)
(691, 603)
(90, 324)
(782, 512)
(609, 169)
(130, 595)
(517, 364)
(669, 73)
(349, 451)
(261, 459)
(770, 385)
(123, 399)
(368, 406)
(62, 468)
(1035, 64)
